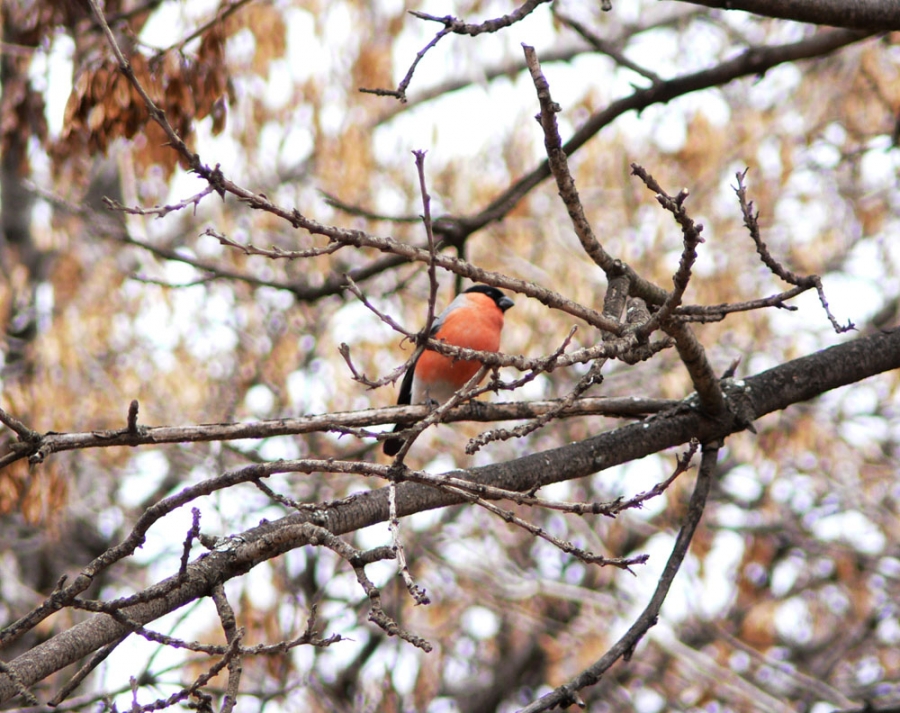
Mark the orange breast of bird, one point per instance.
(475, 326)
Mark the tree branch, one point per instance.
(753, 61)
(876, 15)
(624, 647)
(46, 444)
(772, 390)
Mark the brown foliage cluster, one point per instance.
(104, 106)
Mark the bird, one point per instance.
(473, 320)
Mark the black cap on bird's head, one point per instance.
(501, 300)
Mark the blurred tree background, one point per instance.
(200, 286)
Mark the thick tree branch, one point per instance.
(876, 15)
(773, 390)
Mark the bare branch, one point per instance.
(233, 635)
(470, 490)
(159, 211)
(513, 66)
(457, 266)
(464, 393)
(614, 269)
(691, 239)
(606, 47)
(559, 166)
(453, 26)
(716, 313)
(222, 13)
(415, 591)
(751, 220)
(874, 15)
(590, 379)
(624, 647)
(18, 686)
(584, 555)
(627, 407)
(789, 383)
(274, 253)
(11, 422)
(105, 228)
(754, 61)
(703, 377)
(462, 28)
(99, 657)
(432, 272)
(358, 561)
(400, 91)
(193, 534)
(692, 354)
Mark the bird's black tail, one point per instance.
(392, 446)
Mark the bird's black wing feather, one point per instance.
(406, 385)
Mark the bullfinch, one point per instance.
(472, 321)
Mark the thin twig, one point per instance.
(454, 26)
(159, 211)
(429, 232)
(400, 91)
(605, 46)
(469, 490)
(233, 635)
(691, 239)
(221, 14)
(751, 220)
(195, 689)
(273, 253)
(464, 393)
(193, 534)
(24, 433)
(418, 593)
(755, 60)
(379, 617)
(95, 660)
(691, 351)
(585, 556)
(566, 694)
(559, 165)
(716, 313)
(501, 434)
(104, 227)
(493, 25)
(358, 560)
(396, 373)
